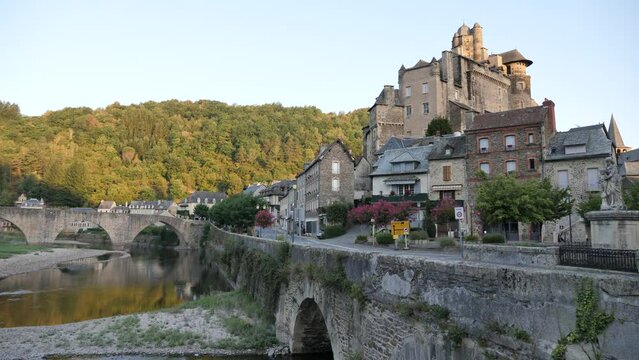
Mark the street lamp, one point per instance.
(570, 215)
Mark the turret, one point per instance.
(478, 43)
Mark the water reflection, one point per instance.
(92, 289)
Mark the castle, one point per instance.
(464, 82)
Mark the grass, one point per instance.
(8, 249)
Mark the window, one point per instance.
(426, 109)
(446, 172)
(448, 151)
(510, 142)
(425, 88)
(511, 166)
(406, 189)
(575, 149)
(531, 138)
(409, 91)
(336, 167)
(562, 179)
(531, 164)
(409, 111)
(485, 168)
(335, 185)
(483, 145)
(593, 179)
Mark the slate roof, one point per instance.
(155, 205)
(527, 116)
(595, 137)
(205, 197)
(323, 153)
(457, 144)
(280, 188)
(106, 204)
(254, 189)
(615, 134)
(514, 56)
(384, 97)
(399, 143)
(384, 165)
(631, 156)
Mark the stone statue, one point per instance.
(611, 198)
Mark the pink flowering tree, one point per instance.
(383, 212)
(444, 212)
(264, 219)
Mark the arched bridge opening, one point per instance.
(159, 234)
(83, 231)
(11, 233)
(310, 334)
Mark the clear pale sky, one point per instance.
(335, 55)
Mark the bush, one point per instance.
(384, 238)
(418, 235)
(430, 228)
(332, 231)
(446, 242)
(493, 239)
(361, 239)
(472, 238)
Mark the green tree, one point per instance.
(504, 199)
(237, 212)
(439, 125)
(631, 196)
(201, 211)
(337, 213)
(592, 203)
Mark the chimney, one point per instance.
(550, 115)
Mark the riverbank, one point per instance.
(221, 324)
(45, 259)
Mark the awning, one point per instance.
(447, 187)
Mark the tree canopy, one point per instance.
(504, 198)
(160, 150)
(439, 125)
(383, 212)
(237, 211)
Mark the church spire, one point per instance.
(615, 136)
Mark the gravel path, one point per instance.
(40, 260)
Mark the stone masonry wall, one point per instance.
(537, 300)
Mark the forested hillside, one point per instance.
(79, 156)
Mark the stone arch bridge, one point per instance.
(44, 225)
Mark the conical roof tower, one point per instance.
(615, 136)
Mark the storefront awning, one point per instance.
(447, 187)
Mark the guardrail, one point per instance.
(587, 256)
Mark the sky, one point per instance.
(336, 55)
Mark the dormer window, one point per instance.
(448, 151)
(575, 149)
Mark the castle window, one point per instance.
(511, 166)
(425, 88)
(408, 92)
(531, 164)
(510, 142)
(409, 111)
(483, 145)
(426, 109)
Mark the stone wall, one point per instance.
(512, 255)
(478, 295)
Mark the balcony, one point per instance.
(399, 198)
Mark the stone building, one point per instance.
(273, 195)
(206, 198)
(327, 179)
(362, 185)
(465, 81)
(574, 160)
(447, 168)
(509, 142)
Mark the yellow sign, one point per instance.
(400, 228)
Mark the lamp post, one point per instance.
(373, 231)
(570, 215)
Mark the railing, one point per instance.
(399, 198)
(609, 259)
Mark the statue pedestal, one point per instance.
(614, 229)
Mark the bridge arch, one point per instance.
(8, 220)
(180, 235)
(310, 332)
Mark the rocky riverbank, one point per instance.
(46, 259)
(219, 324)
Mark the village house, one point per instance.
(158, 207)
(327, 179)
(574, 160)
(106, 206)
(509, 142)
(32, 204)
(273, 194)
(206, 198)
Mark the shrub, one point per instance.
(472, 238)
(332, 231)
(384, 238)
(418, 235)
(446, 242)
(361, 239)
(493, 239)
(430, 228)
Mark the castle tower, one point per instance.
(516, 65)
(470, 43)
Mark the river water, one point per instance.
(146, 281)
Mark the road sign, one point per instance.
(400, 228)
(459, 213)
